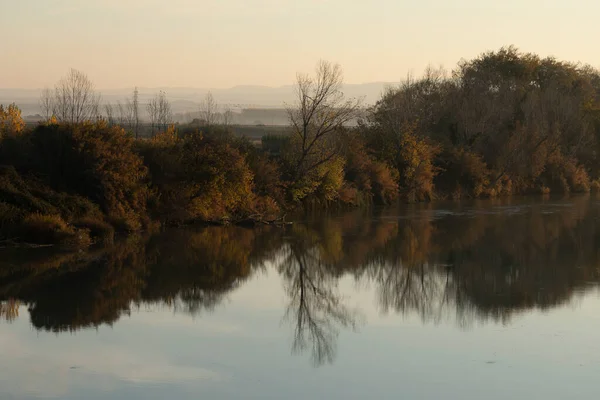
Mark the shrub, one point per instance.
(274, 145)
(52, 229)
(384, 188)
(21, 197)
(91, 160)
(417, 169)
(11, 122)
(463, 173)
(98, 228)
(564, 175)
(198, 178)
(331, 180)
(369, 178)
(350, 195)
(267, 177)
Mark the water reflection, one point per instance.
(316, 309)
(476, 262)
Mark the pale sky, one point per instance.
(223, 43)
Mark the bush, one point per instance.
(198, 178)
(274, 145)
(384, 188)
(98, 228)
(564, 175)
(22, 197)
(367, 178)
(52, 229)
(417, 169)
(11, 122)
(463, 173)
(91, 160)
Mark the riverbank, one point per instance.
(506, 123)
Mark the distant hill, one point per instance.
(188, 99)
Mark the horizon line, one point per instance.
(203, 88)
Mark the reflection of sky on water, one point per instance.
(242, 350)
(489, 300)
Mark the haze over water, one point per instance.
(463, 300)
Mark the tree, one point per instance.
(136, 112)
(47, 103)
(320, 113)
(159, 110)
(94, 161)
(315, 308)
(11, 122)
(132, 113)
(122, 113)
(208, 110)
(108, 110)
(152, 109)
(75, 100)
(227, 117)
(165, 115)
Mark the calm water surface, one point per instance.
(481, 300)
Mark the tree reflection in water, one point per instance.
(485, 261)
(316, 309)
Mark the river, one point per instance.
(490, 299)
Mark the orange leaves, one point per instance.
(11, 122)
(417, 155)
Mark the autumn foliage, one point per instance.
(11, 122)
(197, 177)
(503, 123)
(72, 178)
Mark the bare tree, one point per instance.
(136, 112)
(152, 109)
(47, 103)
(165, 115)
(159, 110)
(320, 112)
(110, 115)
(208, 110)
(75, 100)
(227, 116)
(122, 113)
(130, 115)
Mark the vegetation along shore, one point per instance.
(504, 123)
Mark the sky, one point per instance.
(223, 43)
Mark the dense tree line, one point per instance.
(504, 123)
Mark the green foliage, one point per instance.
(320, 184)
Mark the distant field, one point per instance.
(256, 132)
(252, 132)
